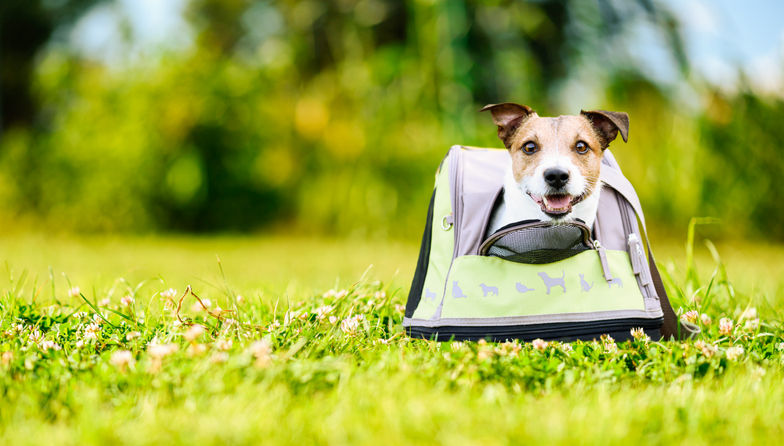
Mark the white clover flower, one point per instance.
(74, 292)
(204, 305)
(333, 320)
(540, 344)
(240, 300)
(380, 295)
(132, 335)
(219, 357)
(749, 313)
(104, 302)
(341, 294)
(79, 343)
(323, 311)
(725, 326)
(223, 344)
(49, 345)
(609, 344)
(196, 349)
(350, 325)
(274, 325)
(122, 359)
(92, 330)
(639, 334)
(734, 352)
(566, 347)
(171, 293)
(159, 351)
(35, 336)
(708, 350)
(126, 301)
(194, 332)
(751, 324)
(19, 328)
(705, 319)
(690, 316)
(262, 351)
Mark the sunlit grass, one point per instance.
(290, 340)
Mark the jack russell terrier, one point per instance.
(554, 173)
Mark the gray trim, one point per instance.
(536, 319)
(454, 159)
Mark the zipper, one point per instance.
(588, 240)
(636, 252)
(640, 267)
(457, 210)
(488, 215)
(536, 224)
(454, 184)
(578, 330)
(603, 260)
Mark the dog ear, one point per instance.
(608, 124)
(507, 117)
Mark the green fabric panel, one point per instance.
(482, 286)
(441, 248)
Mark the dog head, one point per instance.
(556, 161)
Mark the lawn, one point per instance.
(298, 340)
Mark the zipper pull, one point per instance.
(639, 266)
(603, 260)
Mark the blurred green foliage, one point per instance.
(332, 116)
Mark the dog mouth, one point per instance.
(556, 205)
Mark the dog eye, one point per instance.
(529, 148)
(581, 147)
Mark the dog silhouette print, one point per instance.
(429, 294)
(522, 288)
(551, 282)
(486, 290)
(456, 291)
(615, 281)
(586, 286)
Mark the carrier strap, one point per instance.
(672, 327)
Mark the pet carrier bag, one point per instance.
(533, 279)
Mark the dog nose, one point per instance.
(556, 177)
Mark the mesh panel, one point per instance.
(537, 244)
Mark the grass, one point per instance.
(293, 362)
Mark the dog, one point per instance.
(554, 173)
(486, 290)
(551, 282)
(522, 288)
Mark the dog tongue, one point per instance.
(558, 201)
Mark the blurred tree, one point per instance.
(25, 27)
(330, 116)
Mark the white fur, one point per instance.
(517, 205)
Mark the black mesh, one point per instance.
(538, 243)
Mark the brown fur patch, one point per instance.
(557, 136)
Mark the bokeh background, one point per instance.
(329, 117)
